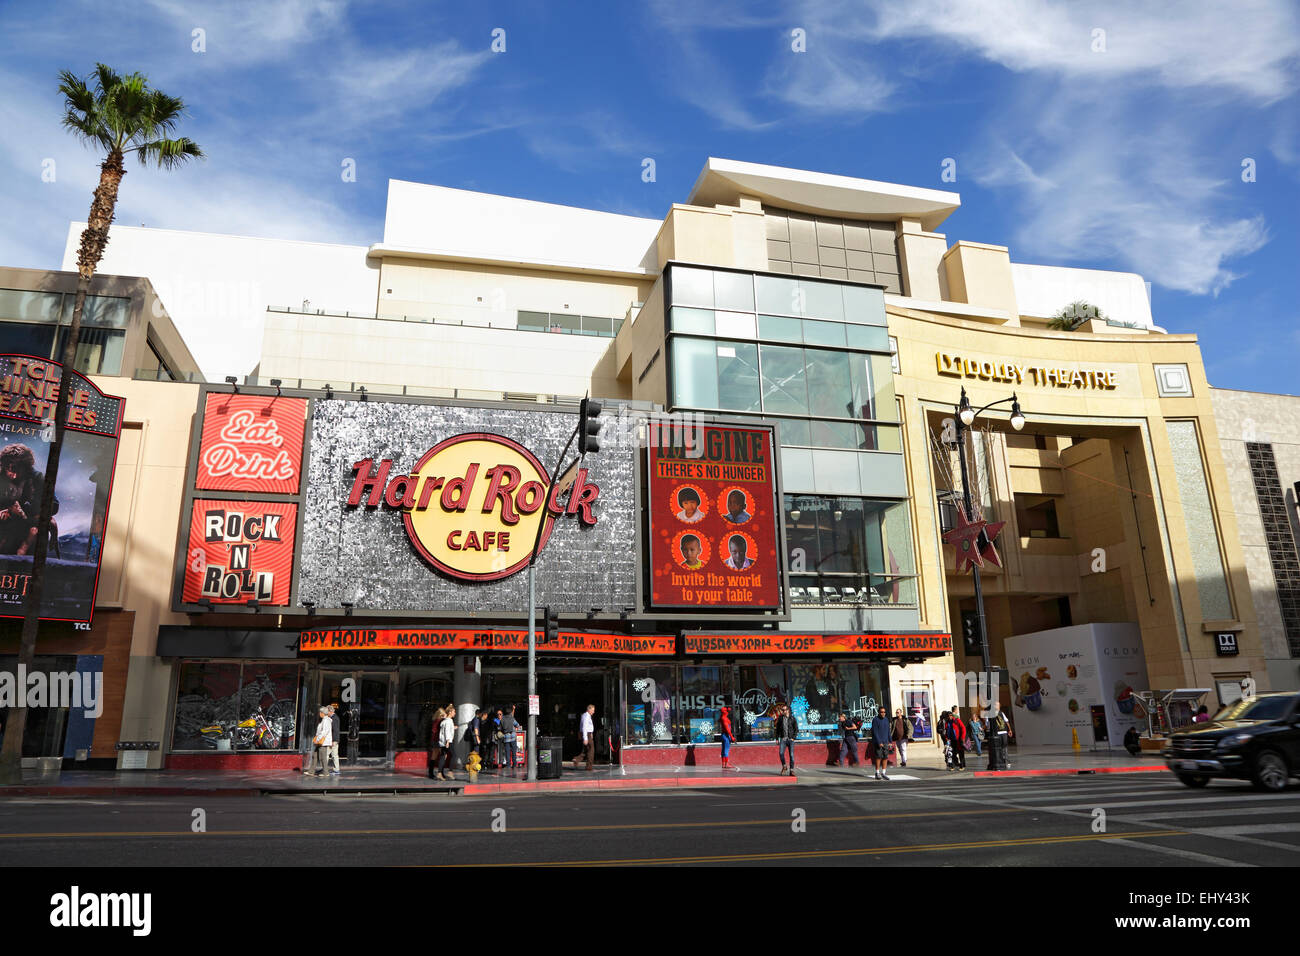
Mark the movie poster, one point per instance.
(713, 517)
(29, 389)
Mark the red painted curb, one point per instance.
(650, 783)
(128, 792)
(1062, 771)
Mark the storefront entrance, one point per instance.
(365, 717)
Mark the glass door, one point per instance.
(363, 699)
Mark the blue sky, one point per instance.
(1120, 149)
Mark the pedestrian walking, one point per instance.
(901, 733)
(941, 729)
(509, 744)
(728, 737)
(321, 742)
(785, 729)
(999, 734)
(976, 725)
(446, 742)
(957, 737)
(474, 733)
(586, 736)
(495, 737)
(435, 744)
(881, 731)
(336, 728)
(849, 728)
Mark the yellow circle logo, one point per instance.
(473, 505)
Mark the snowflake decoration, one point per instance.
(799, 705)
(814, 716)
(706, 730)
(639, 684)
(661, 730)
(750, 718)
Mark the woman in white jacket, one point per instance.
(446, 738)
(323, 739)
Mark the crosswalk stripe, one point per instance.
(1204, 859)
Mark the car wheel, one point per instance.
(1193, 779)
(1270, 772)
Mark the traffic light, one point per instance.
(970, 632)
(589, 426)
(552, 619)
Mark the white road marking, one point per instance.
(1203, 858)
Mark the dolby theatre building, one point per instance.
(774, 512)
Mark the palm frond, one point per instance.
(120, 113)
(168, 153)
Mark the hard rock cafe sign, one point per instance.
(473, 503)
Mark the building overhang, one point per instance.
(725, 180)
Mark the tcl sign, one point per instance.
(472, 504)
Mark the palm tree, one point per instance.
(1074, 315)
(121, 115)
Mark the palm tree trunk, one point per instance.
(93, 241)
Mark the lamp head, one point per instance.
(964, 410)
(1017, 416)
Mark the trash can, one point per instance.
(550, 757)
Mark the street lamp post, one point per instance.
(966, 416)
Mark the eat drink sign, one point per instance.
(251, 443)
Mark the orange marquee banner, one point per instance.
(780, 642)
(485, 639)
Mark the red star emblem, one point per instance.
(985, 544)
(964, 537)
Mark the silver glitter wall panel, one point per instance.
(363, 555)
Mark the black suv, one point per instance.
(1255, 739)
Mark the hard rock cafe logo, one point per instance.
(472, 504)
(755, 701)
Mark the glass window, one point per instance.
(865, 305)
(46, 732)
(775, 294)
(692, 286)
(27, 339)
(880, 438)
(695, 373)
(757, 692)
(845, 549)
(30, 306)
(873, 387)
(597, 325)
(830, 394)
(102, 311)
(99, 351)
(566, 323)
(824, 333)
(734, 290)
(793, 431)
(539, 321)
(651, 715)
(815, 700)
(827, 434)
(780, 328)
(703, 693)
(823, 300)
(207, 705)
(738, 376)
(867, 337)
(735, 324)
(268, 697)
(784, 386)
(420, 691)
(699, 321)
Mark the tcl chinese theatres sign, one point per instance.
(251, 443)
(472, 504)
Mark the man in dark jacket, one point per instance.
(849, 727)
(881, 731)
(785, 728)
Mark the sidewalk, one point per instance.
(925, 762)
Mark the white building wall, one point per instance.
(1044, 290)
(216, 288)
